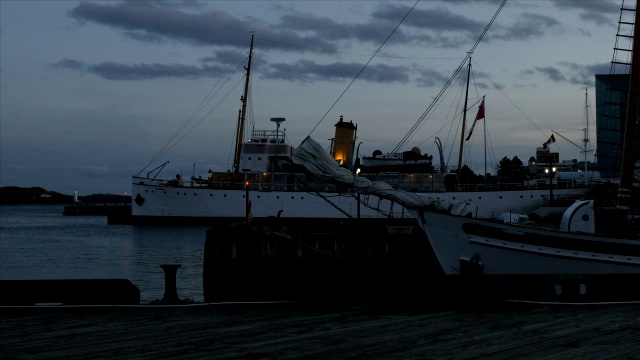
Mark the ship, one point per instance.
(266, 183)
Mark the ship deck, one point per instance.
(289, 330)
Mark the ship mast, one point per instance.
(464, 121)
(243, 113)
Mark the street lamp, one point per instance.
(552, 172)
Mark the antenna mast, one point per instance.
(586, 130)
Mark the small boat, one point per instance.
(515, 245)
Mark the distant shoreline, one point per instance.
(14, 195)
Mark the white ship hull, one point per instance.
(154, 201)
(504, 249)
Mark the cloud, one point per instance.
(115, 71)
(307, 71)
(69, 64)
(430, 78)
(600, 12)
(119, 71)
(436, 19)
(551, 73)
(158, 21)
(154, 22)
(570, 72)
(600, 6)
(585, 74)
(527, 26)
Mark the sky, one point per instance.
(95, 92)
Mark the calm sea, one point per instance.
(38, 242)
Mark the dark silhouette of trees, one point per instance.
(467, 176)
(511, 170)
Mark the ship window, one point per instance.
(146, 191)
(249, 158)
(479, 197)
(278, 197)
(210, 195)
(259, 158)
(500, 197)
(521, 196)
(195, 194)
(302, 198)
(258, 196)
(225, 195)
(292, 197)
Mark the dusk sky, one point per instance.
(92, 93)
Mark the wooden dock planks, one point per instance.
(294, 331)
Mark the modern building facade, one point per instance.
(611, 104)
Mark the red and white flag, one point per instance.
(549, 142)
(478, 117)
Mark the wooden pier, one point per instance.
(298, 331)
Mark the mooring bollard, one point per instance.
(170, 292)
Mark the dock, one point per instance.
(299, 331)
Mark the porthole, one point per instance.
(249, 158)
(210, 195)
(521, 196)
(258, 196)
(278, 197)
(302, 198)
(292, 197)
(479, 197)
(225, 195)
(259, 158)
(500, 197)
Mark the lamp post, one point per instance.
(247, 203)
(552, 172)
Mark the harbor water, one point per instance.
(37, 242)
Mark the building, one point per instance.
(611, 105)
